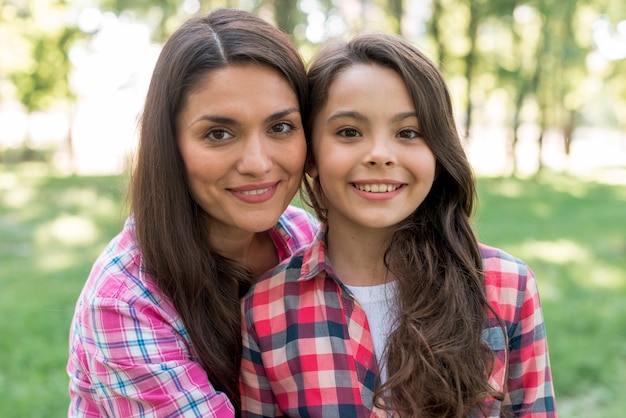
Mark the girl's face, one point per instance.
(374, 167)
(241, 138)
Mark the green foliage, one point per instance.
(46, 79)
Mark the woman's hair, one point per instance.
(437, 362)
(203, 286)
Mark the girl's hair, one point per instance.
(437, 362)
(203, 286)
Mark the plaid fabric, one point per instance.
(130, 355)
(308, 350)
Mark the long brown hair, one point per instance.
(437, 362)
(203, 286)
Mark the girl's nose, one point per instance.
(381, 152)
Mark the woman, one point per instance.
(156, 331)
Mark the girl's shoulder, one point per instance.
(497, 262)
(505, 274)
(509, 282)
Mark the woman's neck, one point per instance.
(357, 255)
(254, 250)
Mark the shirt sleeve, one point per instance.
(139, 365)
(529, 383)
(257, 398)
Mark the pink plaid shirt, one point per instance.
(308, 350)
(130, 354)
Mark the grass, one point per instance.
(51, 230)
(572, 234)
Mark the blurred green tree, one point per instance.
(40, 71)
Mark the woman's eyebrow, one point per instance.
(282, 114)
(222, 120)
(225, 120)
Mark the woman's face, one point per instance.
(241, 138)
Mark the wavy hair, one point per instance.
(203, 286)
(437, 362)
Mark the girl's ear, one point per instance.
(310, 168)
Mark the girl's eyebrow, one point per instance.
(347, 114)
(404, 115)
(360, 117)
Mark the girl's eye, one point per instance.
(349, 132)
(409, 134)
(282, 128)
(218, 135)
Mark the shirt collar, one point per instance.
(314, 259)
(282, 240)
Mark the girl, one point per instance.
(156, 331)
(395, 308)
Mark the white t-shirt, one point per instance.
(378, 302)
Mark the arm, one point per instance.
(136, 363)
(529, 383)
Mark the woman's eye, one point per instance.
(349, 132)
(218, 135)
(281, 128)
(409, 134)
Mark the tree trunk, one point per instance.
(396, 10)
(435, 30)
(286, 14)
(470, 59)
(568, 131)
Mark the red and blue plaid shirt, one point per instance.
(130, 354)
(308, 349)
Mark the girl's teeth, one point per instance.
(377, 188)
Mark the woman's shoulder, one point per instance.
(298, 217)
(118, 272)
(297, 227)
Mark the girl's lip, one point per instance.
(389, 183)
(377, 181)
(378, 189)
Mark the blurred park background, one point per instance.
(539, 89)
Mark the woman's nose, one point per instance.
(254, 159)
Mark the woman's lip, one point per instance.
(253, 187)
(255, 193)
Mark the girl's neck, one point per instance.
(357, 256)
